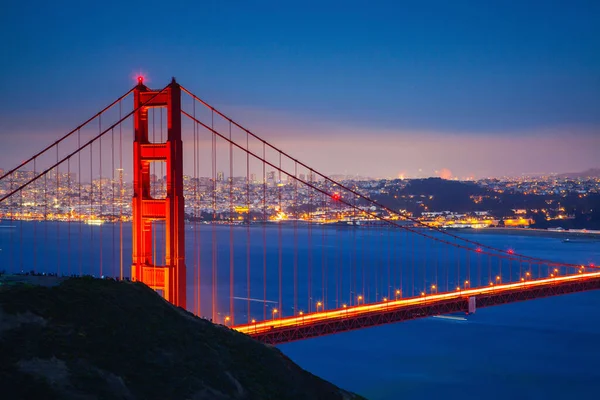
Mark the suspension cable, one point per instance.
(502, 254)
(389, 210)
(68, 134)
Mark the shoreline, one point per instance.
(592, 236)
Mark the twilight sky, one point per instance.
(378, 88)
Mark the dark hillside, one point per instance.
(438, 194)
(101, 339)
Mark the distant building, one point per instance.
(271, 178)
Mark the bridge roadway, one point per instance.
(288, 329)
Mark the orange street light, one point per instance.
(398, 293)
(319, 304)
(359, 299)
(274, 312)
(227, 319)
(466, 284)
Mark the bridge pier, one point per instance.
(472, 305)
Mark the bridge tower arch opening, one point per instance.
(168, 279)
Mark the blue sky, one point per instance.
(519, 78)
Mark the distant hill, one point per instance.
(86, 338)
(590, 173)
(439, 195)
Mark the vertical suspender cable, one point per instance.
(56, 213)
(69, 216)
(412, 262)
(340, 258)
(21, 224)
(199, 244)
(35, 270)
(310, 249)
(264, 234)
(424, 266)
(509, 270)
(45, 216)
(446, 266)
(363, 260)
(120, 195)
(11, 256)
(468, 254)
(279, 237)
(112, 212)
(100, 191)
(457, 253)
(231, 213)
(324, 271)
(79, 207)
(214, 219)
(489, 257)
(91, 212)
(520, 268)
(248, 226)
(295, 208)
(353, 292)
(479, 269)
(389, 282)
(437, 264)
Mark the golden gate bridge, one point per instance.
(277, 250)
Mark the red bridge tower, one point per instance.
(170, 279)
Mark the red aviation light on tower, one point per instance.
(139, 77)
(336, 196)
(511, 251)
